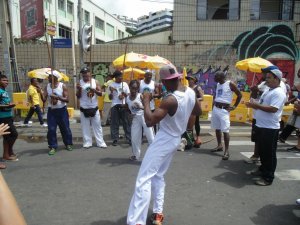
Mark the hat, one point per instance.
(168, 72)
(274, 70)
(85, 70)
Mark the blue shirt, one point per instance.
(5, 100)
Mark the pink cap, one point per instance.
(168, 72)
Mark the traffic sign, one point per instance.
(62, 43)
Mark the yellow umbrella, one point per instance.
(43, 73)
(132, 60)
(133, 74)
(184, 81)
(253, 64)
(156, 62)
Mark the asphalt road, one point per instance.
(94, 187)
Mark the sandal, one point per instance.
(11, 158)
(225, 156)
(2, 166)
(133, 158)
(217, 149)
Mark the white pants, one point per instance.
(137, 127)
(86, 124)
(151, 178)
(220, 119)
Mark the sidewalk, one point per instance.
(36, 133)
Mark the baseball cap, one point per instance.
(168, 72)
(85, 70)
(274, 70)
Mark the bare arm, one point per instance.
(78, 90)
(264, 108)
(167, 106)
(234, 88)
(98, 91)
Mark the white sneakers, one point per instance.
(44, 125)
(298, 201)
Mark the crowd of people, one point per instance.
(132, 106)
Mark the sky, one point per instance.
(134, 8)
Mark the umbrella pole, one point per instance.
(124, 60)
(254, 75)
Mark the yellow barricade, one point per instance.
(239, 115)
(245, 98)
(207, 103)
(20, 99)
(157, 102)
(204, 115)
(70, 112)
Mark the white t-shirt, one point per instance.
(119, 88)
(271, 97)
(151, 87)
(262, 87)
(135, 106)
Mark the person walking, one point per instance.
(268, 115)
(34, 95)
(88, 90)
(6, 117)
(57, 114)
(173, 114)
(220, 119)
(119, 90)
(138, 125)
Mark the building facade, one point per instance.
(106, 27)
(154, 21)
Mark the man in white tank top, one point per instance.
(173, 114)
(220, 118)
(88, 90)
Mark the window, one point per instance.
(110, 31)
(61, 5)
(87, 17)
(70, 7)
(271, 10)
(64, 32)
(120, 34)
(218, 10)
(99, 23)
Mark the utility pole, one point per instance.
(6, 47)
(79, 10)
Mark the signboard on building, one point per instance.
(51, 28)
(62, 43)
(32, 19)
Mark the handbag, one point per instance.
(90, 112)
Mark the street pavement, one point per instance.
(94, 186)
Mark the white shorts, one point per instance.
(220, 119)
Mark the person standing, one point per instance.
(119, 90)
(149, 84)
(88, 90)
(173, 114)
(6, 117)
(107, 102)
(34, 94)
(220, 119)
(138, 125)
(57, 114)
(268, 115)
(199, 94)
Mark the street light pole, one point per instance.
(79, 10)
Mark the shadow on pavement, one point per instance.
(106, 222)
(236, 176)
(112, 162)
(277, 214)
